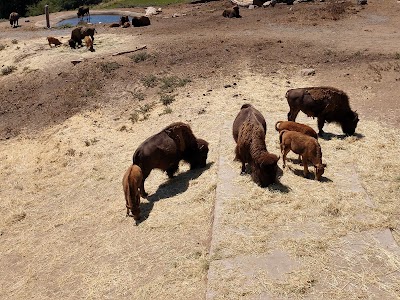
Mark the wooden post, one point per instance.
(46, 11)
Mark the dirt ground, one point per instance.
(68, 132)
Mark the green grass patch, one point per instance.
(167, 99)
(169, 84)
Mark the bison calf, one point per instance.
(53, 40)
(294, 126)
(131, 183)
(232, 12)
(167, 148)
(89, 43)
(305, 146)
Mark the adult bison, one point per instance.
(249, 133)
(82, 11)
(167, 148)
(326, 103)
(14, 16)
(140, 21)
(79, 33)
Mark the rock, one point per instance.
(252, 6)
(307, 72)
(266, 4)
(151, 11)
(362, 2)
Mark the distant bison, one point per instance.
(88, 31)
(167, 148)
(307, 147)
(232, 12)
(14, 16)
(114, 25)
(140, 21)
(82, 11)
(131, 183)
(126, 25)
(123, 20)
(251, 148)
(53, 40)
(326, 103)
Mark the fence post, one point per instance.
(46, 11)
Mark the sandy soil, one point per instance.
(68, 132)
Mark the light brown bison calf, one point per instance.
(131, 183)
(232, 12)
(89, 43)
(305, 146)
(294, 126)
(53, 40)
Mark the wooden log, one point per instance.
(129, 51)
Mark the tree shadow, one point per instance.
(175, 186)
(327, 136)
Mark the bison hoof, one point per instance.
(144, 195)
(242, 173)
(321, 134)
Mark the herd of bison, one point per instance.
(177, 142)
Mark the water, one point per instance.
(94, 19)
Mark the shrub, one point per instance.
(141, 56)
(169, 84)
(150, 81)
(108, 67)
(167, 99)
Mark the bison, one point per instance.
(126, 25)
(89, 43)
(140, 21)
(294, 126)
(232, 12)
(131, 183)
(244, 113)
(249, 127)
(326, 103)
(76, 36)
(53, 40)
(82, 11)
(306, 146)
(14, 16)
(88, 31)
(123, 20)
(167, 148)
(72, 43)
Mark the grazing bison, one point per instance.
(244, 113)
(76, 36)
(131, 183)
(89, 43)
(88, 31)
(232, 12)
(53, 40)
(305, 146)
(251, 148)
(123, 20)
(140, 21)
(14, 16)
(167, 148)
(72, 43)
(326, 103)
(294, 126)
(82, 11)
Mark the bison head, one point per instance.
(349, 123)
(264, 170)
(319, 170)
(199, 158)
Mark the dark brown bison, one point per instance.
(123, 20)
(140, 21)
(88, 31)
(82, 11)
(251, 148)
(326, 103)
(306, 146)
(232, 12)
(72, 43)
(167, 148)
(294, 126)
(244, 113)
(131, 183)
(14, 16)
(76, 36)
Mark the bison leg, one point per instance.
(292, 114)
(171, 171)
(305, 167)
(321, 122)
(284, 153)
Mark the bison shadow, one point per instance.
(175, 186)
(277, 186)
(311, 175)
(327, 136)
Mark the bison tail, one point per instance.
(281, 135)
(276, 125)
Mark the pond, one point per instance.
(94, 19)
